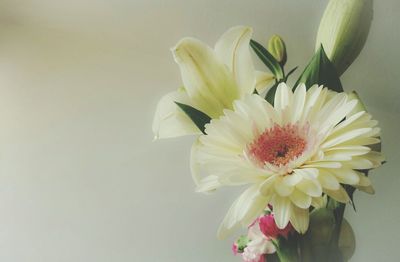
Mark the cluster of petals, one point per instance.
(212, 79)
(259, 245)
(291, 154)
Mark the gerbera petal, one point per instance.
(233, 50)
(283, 97)
(339, 195)
(364, 180)
(328, 180)
(350, 150)
(292, 179)
(194, 165)
(310, 187)
(282, 208)
(359, 163)
(299, 99)
(319, 202)
(367, 189)
(299, 218)
(311, 98)
(208, 81)
(247, 206)
(254, 209)
(267, 186)
(300, 199)
(335, 111)
(208, 184)
(170, 120)
(281, 188)
(346, 176)
(322, 164)
(308, 173)
(336, 140)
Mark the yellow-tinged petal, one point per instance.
(264, 81)
(233, 50)
(367, 189)
(319, 202)
(248, 206)
(266, 188)
(328, 180)
(281, 188)
(310, 187)
(364, 180)
(282, 210)
(293, 179)
(299, 218)
(210, 85)
(300, 199)
(283, 97)
(339, 195)
(208, 184)
(299, 99)
(194, 165)
(346, 176)
(170, 120)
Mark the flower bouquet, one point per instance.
(300, 150)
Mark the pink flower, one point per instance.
(235, 249)
(258, 246)
(270, 229)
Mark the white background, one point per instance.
(81, 179)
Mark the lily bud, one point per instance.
(343, 30)
(277, 48)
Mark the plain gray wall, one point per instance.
(81, 179)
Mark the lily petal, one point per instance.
(207, 80)
(170, 120)
(233, 50)
(264, 81)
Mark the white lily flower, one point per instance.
(212, 79)
(344, 29)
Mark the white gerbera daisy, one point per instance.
(308, 144)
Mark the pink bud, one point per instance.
(262, 258)
(270, 229)
(235, 249)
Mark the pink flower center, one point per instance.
(278, 145)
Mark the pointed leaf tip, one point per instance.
(199, 118)
(268, 59)
(321, 71)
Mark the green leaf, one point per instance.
(199, 118)
(290, 72)
(320, 71)
(286, 248)
(272, 257)
(268, 59)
